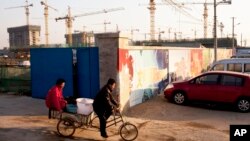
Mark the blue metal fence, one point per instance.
(49, 64)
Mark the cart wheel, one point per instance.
(95, 122)
(128, 131)
(65, 127)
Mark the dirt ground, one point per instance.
(23, 118)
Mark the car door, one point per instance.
(204, 87)
(230, 88)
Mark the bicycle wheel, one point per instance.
(65, 127)
(128, 131)
(95, 122)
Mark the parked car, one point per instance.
(213, 86)
(233, 64)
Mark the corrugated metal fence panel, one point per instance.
(88, 72)
(94, 75)
(47, 65)
(83, 73)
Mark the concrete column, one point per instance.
(109, 44)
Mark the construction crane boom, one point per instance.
(46, 16)
(69, 19)
(45, 4)
(26, 10)
(99, 12)
(18, 6)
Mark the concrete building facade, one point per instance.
(81, 39)
(24, 36)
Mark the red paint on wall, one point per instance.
(125, 60)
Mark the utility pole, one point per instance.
(215, 32)
(233, 48)
(215, 25)
(233, 35)
(169, 32)
(241, 40)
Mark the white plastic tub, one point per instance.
(84, 106)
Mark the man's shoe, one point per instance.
(105, 136)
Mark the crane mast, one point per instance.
(205, 16)
(152, 19)
(46, 20)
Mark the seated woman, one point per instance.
(55, 99)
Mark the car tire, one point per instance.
(243, 105)
(179, 98)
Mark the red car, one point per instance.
(215, 86)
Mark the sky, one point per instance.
(135, 16)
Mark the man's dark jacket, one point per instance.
(104, 101)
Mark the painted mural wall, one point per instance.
(141, 74)
(145, 73)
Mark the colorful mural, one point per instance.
(196, 62)
(145, 73)
(224, 53)
(207, 55)
(179, 64)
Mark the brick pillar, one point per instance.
(109, 44)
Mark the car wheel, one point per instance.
(243, 105)
(179, 98)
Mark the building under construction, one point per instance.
(24, 36)
(81, 39)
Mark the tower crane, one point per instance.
(69, 19)
(152, 8)
(152, 19)
(46, 16)
(26, 10)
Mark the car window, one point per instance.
(207, 79)
(237, 67)
(247, 68)
(218, 67)
(228, 80)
